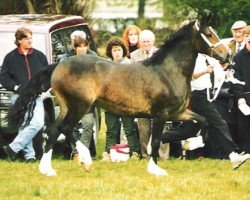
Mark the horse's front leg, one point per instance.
(153, 168)
(45, 166)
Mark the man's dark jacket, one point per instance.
(17, 69)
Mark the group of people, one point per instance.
(206, 101)
(224, 134)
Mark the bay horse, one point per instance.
(157, 88)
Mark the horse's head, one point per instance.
(209, 43)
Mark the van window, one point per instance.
(61, 44)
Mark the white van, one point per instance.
(51, 35)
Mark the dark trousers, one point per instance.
(244, 132)
(180, 131)
(217, 126)
(144, 127)
(113, 128)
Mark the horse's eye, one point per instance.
(208, 35)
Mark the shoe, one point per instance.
(193, 143)
(105, 157)
(11, 155)
(134, 156)
(31, 160)
(238, 159)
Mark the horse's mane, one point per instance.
(160, 54)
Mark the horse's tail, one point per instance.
(26, 100)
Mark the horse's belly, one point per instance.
(125, 107)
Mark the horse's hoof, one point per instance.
(155, 169)
(47, 172)
(86, 167)
(51, 172)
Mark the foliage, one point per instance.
(225, 12)
(74, 7)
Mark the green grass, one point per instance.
(191, 179)
(205, 179)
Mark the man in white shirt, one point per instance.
(201, 105)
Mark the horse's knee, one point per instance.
(53, 134)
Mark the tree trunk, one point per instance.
(141, 8)
(30, 7)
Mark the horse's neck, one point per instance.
(185, 56)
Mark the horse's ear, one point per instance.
(205, 19)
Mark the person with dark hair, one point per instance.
(117, 52)
(18, 67)
(226, 102)
(79, 38)
(240, 64)
(80, 46)
(201, 102)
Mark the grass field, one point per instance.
(190, 179)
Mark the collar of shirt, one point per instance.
(29, 52)
(240, 45)
(148, 54)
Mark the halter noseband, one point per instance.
(205, 38)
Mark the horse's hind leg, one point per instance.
(53, 132)
(67, 127)
(45, 166)
(153, 168)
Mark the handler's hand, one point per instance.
(244, 108)
(46, 95)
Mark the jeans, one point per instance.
(23, 140)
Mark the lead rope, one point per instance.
(215, 91)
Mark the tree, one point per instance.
(225, 12)
(74, 7)
(141, 8)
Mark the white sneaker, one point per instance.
(193, 143)
(238, 159)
